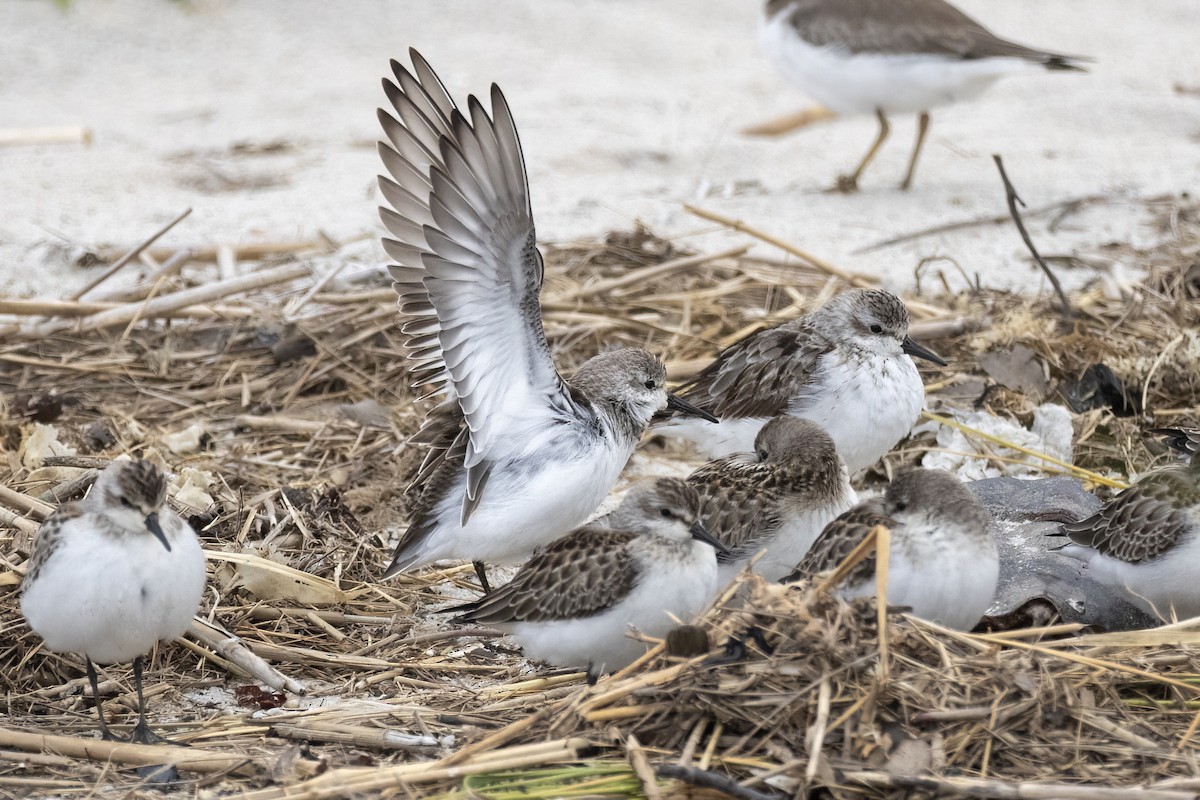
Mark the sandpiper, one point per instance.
(846, 366)
(573, 602)
(1145, 542)
(518, 455)
(944, 565)
(891, 56)
(114, 573)
(777, 498)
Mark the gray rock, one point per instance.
(1037, 583)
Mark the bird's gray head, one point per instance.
(132, 493)
(787, 438)
(667, 507)
(630, 380)
(935, 494)
(870, 320)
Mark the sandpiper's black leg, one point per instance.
(593, 673)
(481, 571)
(141, 732)
(105, 733)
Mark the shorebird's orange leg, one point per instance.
(922, 129)
(849, 183)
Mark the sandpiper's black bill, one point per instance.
(920, 351)
(681, 406)
(700, 533)
(156, 529)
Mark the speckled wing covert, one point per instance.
(467, 269)
(839, 539)
(1142, 522)
(582, 574)
(49, 537)
(741, 500)
(758, 376)
(931, 27)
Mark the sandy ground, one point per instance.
(627, 108)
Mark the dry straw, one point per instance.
(279, 394)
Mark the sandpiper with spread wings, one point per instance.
(518, 455)
(572, 604)
(114, 573)
(778, 497)
(891, 56)
(944, 565)
(846, 366)
(1145, 542)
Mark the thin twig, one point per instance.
(1014, 200)
(129, 256)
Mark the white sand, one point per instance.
(628, 108)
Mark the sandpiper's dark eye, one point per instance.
(125, 502)
(876, 328)
(650, 384)
(666, 512)
(762, 455)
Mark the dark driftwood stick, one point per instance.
(1013, 200)
(712, 780)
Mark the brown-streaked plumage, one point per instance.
(1145, 542)
(573, 602)
(840, 365)
(778, 498)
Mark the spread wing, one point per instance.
(468, 271)
(1142, 522)
(584, 573)
(758, 376)
(839, 539)
(910, 26)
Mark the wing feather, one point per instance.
(584, 573)
(468, 272)
(1144, 521)
(758, 376)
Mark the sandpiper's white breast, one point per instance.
(860, 83)
(112, 597)
(545, 491)
(943, 577)
(866, 402)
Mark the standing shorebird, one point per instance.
(944, 565)
(114, 573)
(778, 498)
(518, 455)
(891, 56)
(1145, 542)
(846, 366)
(573, 602)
